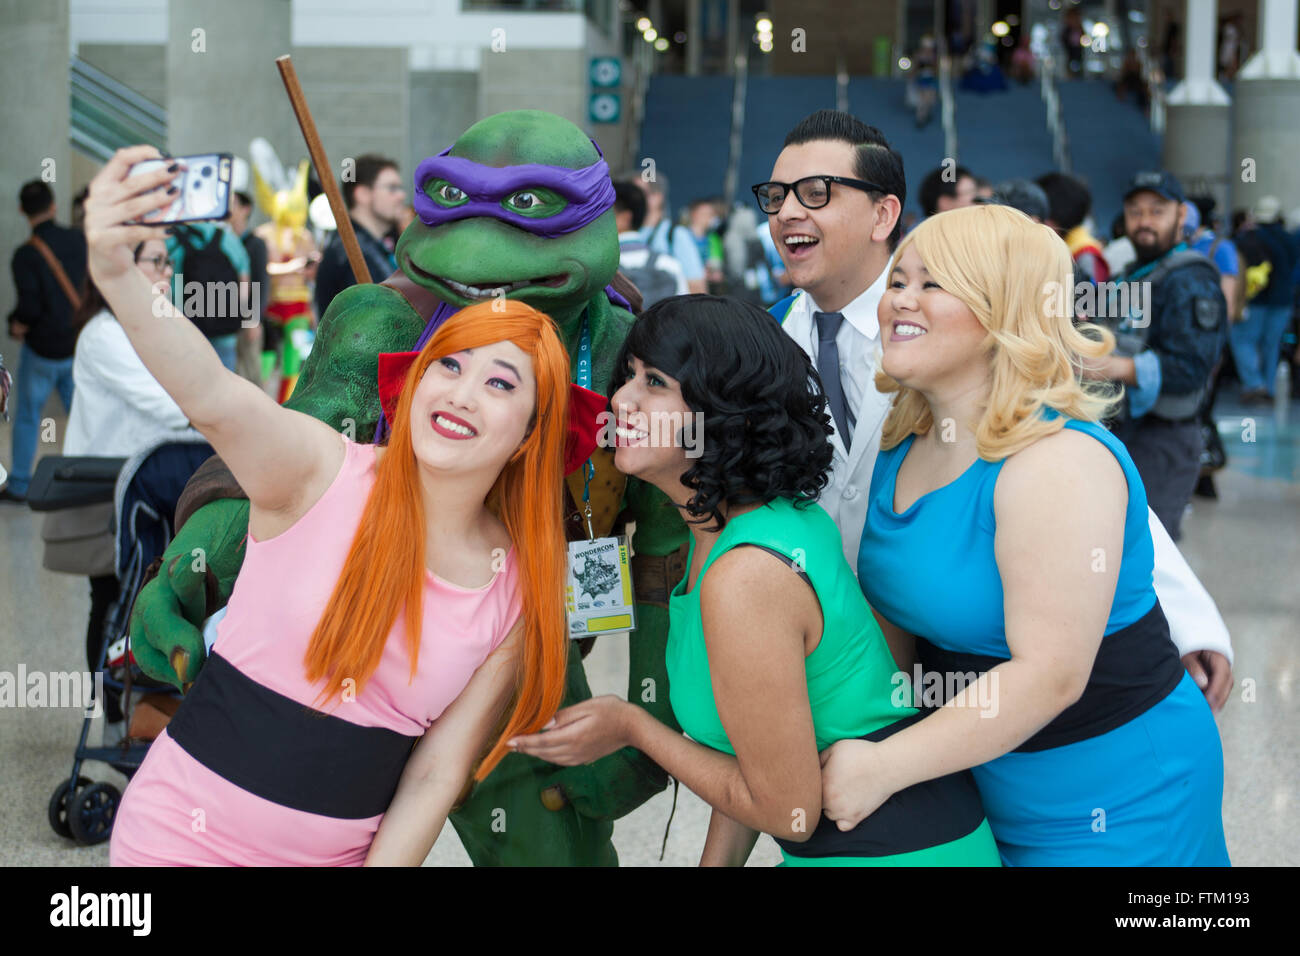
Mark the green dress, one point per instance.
(854, 690)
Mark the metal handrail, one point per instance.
(737, 127)
(947, 104)
(1156, 93)
(1055, 115)
(640, 89)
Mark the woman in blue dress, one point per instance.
(1007, 550)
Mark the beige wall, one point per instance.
(359, 97)
(833, 29)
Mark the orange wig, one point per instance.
(384, 573)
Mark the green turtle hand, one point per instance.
(197, 575)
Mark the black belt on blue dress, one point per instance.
(285, 752)
(1136, 668)
(927, 814)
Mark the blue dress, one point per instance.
(1132, 775)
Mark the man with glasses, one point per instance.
(832, 206)
(375, 198)
(833, 209)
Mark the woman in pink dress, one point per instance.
(383, 619)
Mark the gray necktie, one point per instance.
(828, 365)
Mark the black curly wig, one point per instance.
(766, 426)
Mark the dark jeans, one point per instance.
(103, 592)
(1168, 457)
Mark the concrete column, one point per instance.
(1265, 136)
(33, 60)
(1198, 127)
(223, 88)
(1277, 58)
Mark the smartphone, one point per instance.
(203, 188)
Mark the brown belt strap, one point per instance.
(56, 267)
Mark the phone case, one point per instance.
(203, 188)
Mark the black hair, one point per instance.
(1205, 206)
(92, 300)
(245, 200)
(1068, 198)
(367, 170)
(35, 197)
(936, 184)
(874, 159)
(628, 197)
(766, 427)
(1117, 228)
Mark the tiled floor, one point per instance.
(1245, 547)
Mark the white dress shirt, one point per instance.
(118, 407)
(1194, 620)
(858, 340)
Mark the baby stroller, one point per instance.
(144, 490)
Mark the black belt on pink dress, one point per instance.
(285, 752)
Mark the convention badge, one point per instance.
(598, 592)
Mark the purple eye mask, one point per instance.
(588, 192)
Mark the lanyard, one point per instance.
(584, 380)
(584, 354)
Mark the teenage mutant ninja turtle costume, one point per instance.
(520, 206)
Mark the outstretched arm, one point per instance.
(281, 458)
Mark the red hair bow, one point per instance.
(585, 407)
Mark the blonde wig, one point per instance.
(1017, 277)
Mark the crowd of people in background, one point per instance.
(708, 248)
(56, 304)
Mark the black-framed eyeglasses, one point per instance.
(812, 191)
(158, 262)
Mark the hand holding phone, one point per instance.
(202, 188)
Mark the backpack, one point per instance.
(1255, 250)
(217, 310)
(652, 282)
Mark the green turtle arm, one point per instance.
(339, 382)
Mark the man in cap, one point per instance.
(1166, 345)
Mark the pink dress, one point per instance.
(177, 811)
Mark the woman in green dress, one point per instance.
(773, 653)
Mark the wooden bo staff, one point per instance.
(317, 152)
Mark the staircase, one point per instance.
(881, 103)
(686, 131)
(1110, 141)
(1004, 135)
